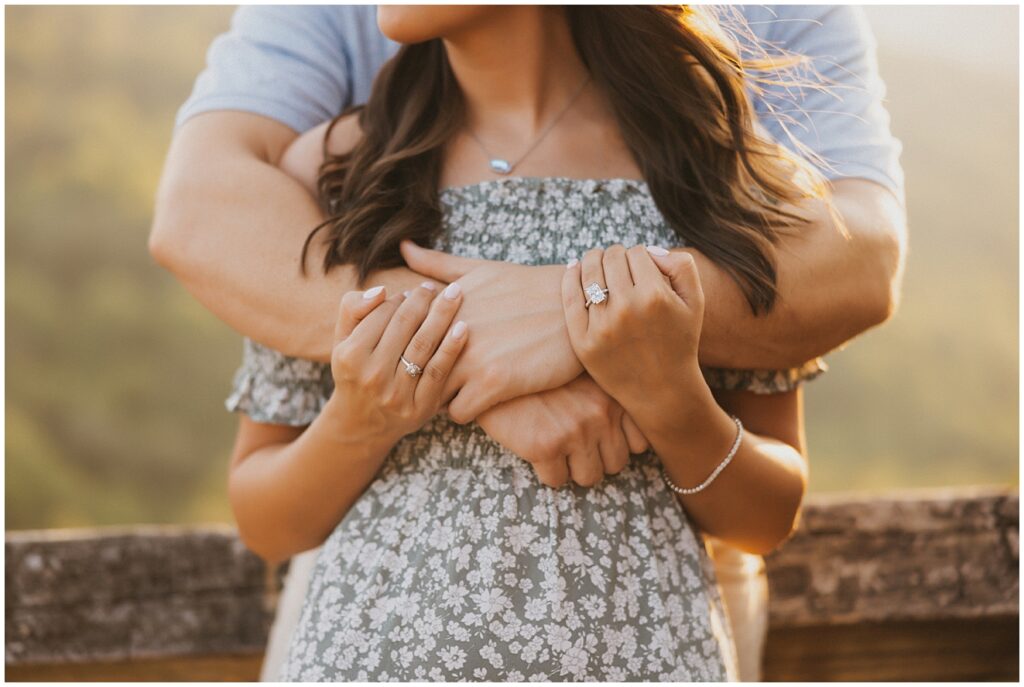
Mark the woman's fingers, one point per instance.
(355, 305)
(616, 269)
(369, 330)
(435, 373)
(404, 323)
(681, 270)
(428, 337)
(642, 267)
(592, 272)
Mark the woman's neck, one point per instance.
(517, 68)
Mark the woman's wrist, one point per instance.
(678, 403)
(692, 448)
(339, 427)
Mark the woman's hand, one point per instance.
(575, 432)
(519, 342)
(640, 344)
(375, 399)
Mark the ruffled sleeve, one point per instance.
(273, 388)
(763, 381)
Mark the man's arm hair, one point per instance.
(230, 225)
(831, 286)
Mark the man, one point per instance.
(228, 222)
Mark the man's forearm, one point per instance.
(831, 287)
(231, 230)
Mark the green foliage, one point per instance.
(116, 377)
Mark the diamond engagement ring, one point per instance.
(595, 294)
(412, 369)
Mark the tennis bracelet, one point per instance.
(721, 466)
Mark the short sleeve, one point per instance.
(284, 62)
(276, 389)
(763, 381)
(837, 109)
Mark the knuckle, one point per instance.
(493, 378)
(406, 317)
(636, 250)
(345, 359)
(372, 378)
(616, 466)
(434, 373)
(419, 348)
(613, 251)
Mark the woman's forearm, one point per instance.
(287, 498)
(754, 502)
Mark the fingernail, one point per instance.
(429, 286)
(370, 293)
(451, 292)
(406, 293)
(571, 263)
(657, 250)
(458, 330)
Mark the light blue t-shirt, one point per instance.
(302, 65)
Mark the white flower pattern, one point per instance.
(456, 563)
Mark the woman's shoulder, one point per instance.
(302, 159)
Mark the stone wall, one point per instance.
(916, 585)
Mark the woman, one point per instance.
(445, 558)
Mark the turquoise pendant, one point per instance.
(501, 166)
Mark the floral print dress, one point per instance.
(456, 563)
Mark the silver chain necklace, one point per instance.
(501, 165)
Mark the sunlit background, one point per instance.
(116, 377)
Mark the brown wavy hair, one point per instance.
(677, 86)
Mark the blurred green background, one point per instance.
(116, 377)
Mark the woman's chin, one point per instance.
(417, 23)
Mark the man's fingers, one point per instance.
(553, 473)
(471, 401)
(635, 439)
(355, 305)
(614, 451)
(576, 316)
(586, 467)
(435, 263)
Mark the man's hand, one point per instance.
(575, 432)
(519, 345)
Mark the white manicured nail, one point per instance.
(429, 286)
(657, 250)
(571, 263)
(406, 293)
(370, 293)
(458, 330)
(451, 292)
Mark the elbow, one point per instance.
(272, 556)
(170, 235)
(887, 259)
(252, 525)
(790, 510)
